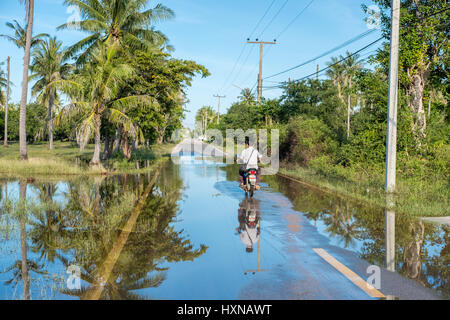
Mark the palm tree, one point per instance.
(336, 73)
(247, 97)
(95, 89)
(351, 66)
(26, 63)
(126, 22)
(206, 115)
(49, 68)
(3, 84)
(23, 38)
(20, 35)
(5, 138)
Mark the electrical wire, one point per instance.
(295, 19)
(334, 64)
(345, 44)
(245, 45)
(274, 17)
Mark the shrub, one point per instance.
(304, 139)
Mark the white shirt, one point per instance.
(250, 156)
(249, 236)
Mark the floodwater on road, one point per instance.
(187, 231)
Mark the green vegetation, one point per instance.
(119, 89)
(333, 131)
(66, 159)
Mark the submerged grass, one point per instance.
(418, 196)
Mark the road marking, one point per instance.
(353, 277)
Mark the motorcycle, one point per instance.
(250, 182)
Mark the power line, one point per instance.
(295, 19)
(234, 67)
(273, 87)
(339, 47)
(336, 63)
(274, 17)
(291, 23)
(348, 42)
(245, 45)
(262, 18)
(241, 68)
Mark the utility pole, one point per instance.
(317, 73)
(5, 141)
(261, 45)
(258, 267)
(218, 106)
(391, 140)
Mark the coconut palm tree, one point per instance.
(3, 84)
(336, 73)
(94, 90)
(7, 92)
(247, 97)
(126, 22)
(49, 68)
(20, 39)
(20, 35)
(206, 115)
(351, 66)
(29, 5)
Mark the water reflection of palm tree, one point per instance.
(47, 232)
(6, 207)
(340, 223)
(114, 265)
(23, 239)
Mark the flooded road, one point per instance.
(188, 232)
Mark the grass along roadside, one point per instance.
(416, 196)
(66, 160)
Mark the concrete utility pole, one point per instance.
(317, 73)
(258, 267)
(390, 233)
(261, 45)
(391, 141)
(5, 140)
(218, 106)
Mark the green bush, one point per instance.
(304, 139)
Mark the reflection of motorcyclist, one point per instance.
(249, 218)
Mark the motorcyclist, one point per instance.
(249, 159)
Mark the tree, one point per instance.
(351, 66)
(95, 91)
(49, 68)
(205, 115)
(247, 97)
(20, 39)
(423, 47)
(3, 84)
(125, 22)
(336, 73)
(8, 91)
(26, 62)
(165, 79)
(20, 35)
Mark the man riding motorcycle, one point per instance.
(249, 159)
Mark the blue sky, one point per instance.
(214, 33)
